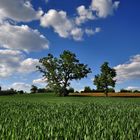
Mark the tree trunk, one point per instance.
(106, 91)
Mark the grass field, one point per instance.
(42, 116)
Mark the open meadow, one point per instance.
(46, 116)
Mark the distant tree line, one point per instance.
(10, 91)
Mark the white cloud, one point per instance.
(90, 32)
(77, 34)
(84, 15)
(71, 27)
(65, 27)
(40, 81)
(28, 65)
(18, 10)
(21, 86)
(21, 38)
(14, 62)
(97, 9)
(132, 88)
(9, 61)
(130, 70)
(103, 8)
(59, 21)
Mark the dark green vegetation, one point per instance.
(105, 80)
(60, 71)
(45, 116)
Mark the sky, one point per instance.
(95, 30)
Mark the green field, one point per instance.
(42, 116)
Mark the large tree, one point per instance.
(105, 80)
(60, 71)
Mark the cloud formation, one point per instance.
(14, 62)
(21, 86)
(133, 88)
(18, 10)
(98, 9)
(61, 24)
(83, 15)
(21, 38)
(130, 70)
(67, 27)
(104, 8)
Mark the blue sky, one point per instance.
(96, 30)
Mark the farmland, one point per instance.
(43, 116)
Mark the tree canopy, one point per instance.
(105, 80)
(60, 71)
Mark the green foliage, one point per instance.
(136, 91)
(105, 80)
(21, 92)
(125, 91)
(41, 90)
(71, 90)
(34, 89)
(60, 71)
(32, 118)
(87, 89)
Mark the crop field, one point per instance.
(109, 94)
(46, 117)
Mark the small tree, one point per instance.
(60, 71)
(34, 89)
(87, 89)
(105, 80)
(71, 90)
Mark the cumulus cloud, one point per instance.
(97, 9)
(28, 65)
(71, 27)
(77, 34)
(90, 32)
(9, 61)
(21, 38)
(18, 10)
(130, 70)
(84, 15)
(14, 62)
(66, 27)
(132, 88)
(40, 81)
(59, 21)
(103, 8)
(21, 86)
